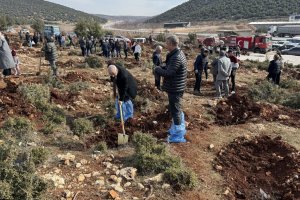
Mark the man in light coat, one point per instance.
(224, 72)
(6, 59)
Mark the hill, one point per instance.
(26, 10)
(125, 18)
(209, 10)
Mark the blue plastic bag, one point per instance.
(177, 132)
(127, 109)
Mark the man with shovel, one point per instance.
(175, 76)
(127, 88)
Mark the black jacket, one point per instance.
(274, 67)
(175, 72)
(126, 84)
(156, 59)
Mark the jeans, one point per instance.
(198, 81)
(219, 84)
(125, 52)
(83, 51)
(175, 106)
(137, 56)
(232, 76)
(53, 67)
(275, 78)
(206, 71)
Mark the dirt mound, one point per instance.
(76, 76)
(236, 110)
(260, 167)
(148, 90)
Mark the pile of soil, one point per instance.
(260, 167)
(13, 105)
(76, 76)
(236, 110)
(148, 90)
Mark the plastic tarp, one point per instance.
(127, 110)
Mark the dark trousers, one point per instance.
(175, 106)
(137, 56)
(198, 81)
(232, 77)
(206, 72)
(6, 72)
(83, 51)
(275, 78)
(125, 52)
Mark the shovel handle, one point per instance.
(121, 114)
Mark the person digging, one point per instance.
(127, 90)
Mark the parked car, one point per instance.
(121, 38)
(140, 40)
(293, 51)
(279, 45)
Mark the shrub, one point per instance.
(20, 127)
(161, 37)
(54, 114)
(18, 179)
(263, 65)
(192, 38)
(181, 179)
(75, 88)
(5, 191)
(39, 155)
(266, 91)
(82, 126)
(289, 83)
(36, 94)
(48, 129)
(94, 62)
(53, 81)
(293, 101)
(101, 146)
(143, 143)
(74, 53)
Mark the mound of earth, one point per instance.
(262, 168)
(236, 110)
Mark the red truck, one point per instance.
(256, 43)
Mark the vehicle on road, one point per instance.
(282, 31)
(295, 51)
(279, 45)
(51, 30)
(121, 39)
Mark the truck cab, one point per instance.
(51, 30)
(262, 43)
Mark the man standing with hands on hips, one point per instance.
(175, 76)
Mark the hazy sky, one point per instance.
(121, 7)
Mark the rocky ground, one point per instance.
(231, 145)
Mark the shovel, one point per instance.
(122, 137)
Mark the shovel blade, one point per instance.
(122, 139)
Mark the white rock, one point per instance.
(67, 158)
(165, 186)
(157, 179)
(58, 181)
(83, 162)
(128, 184)
(95, 174)
(100, 182)
(118, 188)
(140, 186)
(78, 165)
(81, 178)
(88, 175)
(129, 173)
(211, 146)
(68, 194)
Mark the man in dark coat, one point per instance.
(51, 54)
(199, 66)
(175, 76)
(274, 69)
(124, 81)
(157, 61)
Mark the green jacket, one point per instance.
(50, 51)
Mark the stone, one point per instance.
(113, 194)
(81, 178)
(128, 184)
(211, 146)
(157, 179)
(118, 188)
(100, 182)
(283, 117)
(88, 175)
(227, 191)
(67, 158)
(129, 173)
(116, 179)
(95, 174)
(219, 168)
(117, 173)
(78, 165)
(58, 181)
(140, 186)
(108, 165)
(165, 186)
(68, 194)
(83, 162)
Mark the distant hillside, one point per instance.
(125, 18)
(208, 10)
(31, 9)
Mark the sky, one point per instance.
(121, 7)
